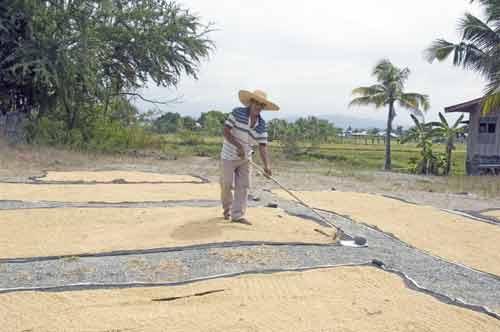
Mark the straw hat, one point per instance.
(258, 95)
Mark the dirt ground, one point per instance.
(26, 161)
(68, 231)
(292, 301)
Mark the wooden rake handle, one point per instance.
(261, 170)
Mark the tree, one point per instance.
(276, 129)
(80, 57)
(478, 50)
(389, 91)
(443, 130)
(213, 122)
(168, 123)
(20, 84)
(312, 129)
(188, 123)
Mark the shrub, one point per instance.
(191, 138)
(102, 135)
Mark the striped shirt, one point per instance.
(239, 122)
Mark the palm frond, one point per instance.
(491, 103)
(404, 74)
(363, 101)
(493, 85)
(477, 32)
(389, 90)
(478, 51)
(420, 101)
(407, 104)
(381, 69)
(369, 90)
(440, 50)
(491, 8)
(464, 54)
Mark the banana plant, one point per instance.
(448, 134)
(422, 133)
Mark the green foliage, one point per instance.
(276, 128)
(290, 143)
(171, 123)
(425, 134)
(311, 129)
(81, 61)
(116, 131)
(21, 83)
(478, 50)
(446, 133)
(168, 123)
(386, 93)
(191, 138)
(188, 123)
(212, 122)
(47, 132)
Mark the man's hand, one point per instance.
(265, 160)
(241, 152)
(233, 141)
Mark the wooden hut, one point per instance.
(483, 139)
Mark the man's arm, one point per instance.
(234, 141)
(265, 159)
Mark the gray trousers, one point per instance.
(235, 172)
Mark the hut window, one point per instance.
(483, 128)
(487, 130)
(491, 128)
(487, 125)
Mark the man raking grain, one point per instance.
(243, 129)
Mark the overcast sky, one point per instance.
(309, 55)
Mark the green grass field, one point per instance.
(348, 155)
(371, 156)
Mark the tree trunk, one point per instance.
(449, 148)
(387, 164)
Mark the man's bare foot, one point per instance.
(242, 221)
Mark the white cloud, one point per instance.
(309, 55)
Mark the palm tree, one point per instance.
(479, 49)
(389, 90)
(443, 130)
